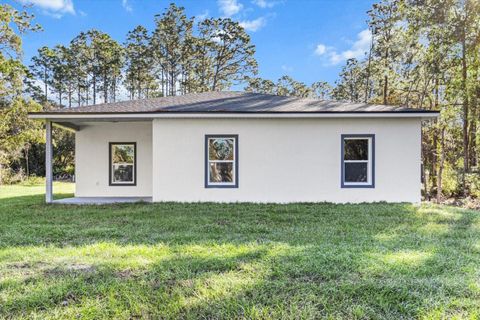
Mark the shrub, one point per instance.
(32, 181)
(450, 182)
(9, 176)
(473, 182)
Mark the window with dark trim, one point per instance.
(358, 161)
(221, 161)
(122, 163)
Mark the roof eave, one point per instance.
(424, 114)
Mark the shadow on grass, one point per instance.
(167, 282)
(174, 260)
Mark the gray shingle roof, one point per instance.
(234, 102)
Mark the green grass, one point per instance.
(235, 260)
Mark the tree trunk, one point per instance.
(163, 84)
(441, 165)
(472, 136)
(367, 82)
(423, 166)
(473, 118)
(114, 89)
(425, 184)
(385, 80)
(435, 137)
(172, 83)
(139, 86)
(45, 80)
(27, 166)
(352, 88)
(105, 87)
(214, 84)
(465, 115)
(79, 94)
(94, 89)
(477, 151)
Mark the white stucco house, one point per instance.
(242, 147)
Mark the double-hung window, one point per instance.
(358, 161)
(221, 161)
(123, 163)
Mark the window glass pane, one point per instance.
(220, 148)
(356, 149)
(221, 171)
(356, 172)
(123, 153)
(122, 173)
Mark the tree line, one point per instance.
(423, 54)
(177, 57)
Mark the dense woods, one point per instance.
(423, 54)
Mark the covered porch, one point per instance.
(90, 186)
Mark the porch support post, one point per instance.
(48, 162)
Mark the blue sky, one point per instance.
(306, 39)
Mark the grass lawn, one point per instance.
(235, 260)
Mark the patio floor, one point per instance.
(102, 200)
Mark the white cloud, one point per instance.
(127, 6)
(55, 8)
(360, 46)
(287, 68)
(320, 49)
(229, 7)
(265, 3)
(357, 50)
(254, 25)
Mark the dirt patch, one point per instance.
(187, 283)
(222, 222)
(19, 265)
(70, 269)
(81, 267)
(124, 274)
(70, 298)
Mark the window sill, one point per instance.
(222, 186)
(353, 186)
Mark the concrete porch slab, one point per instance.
(102, 200)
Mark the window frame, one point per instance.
(110, 165)
(370, 162)
(209, 184)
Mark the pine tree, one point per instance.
(169, 42)
(230, 52)
(139, 78)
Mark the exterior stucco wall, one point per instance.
(92, 162)
(286, 160)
